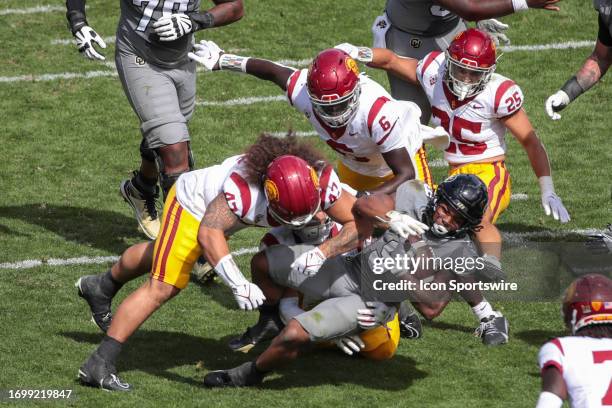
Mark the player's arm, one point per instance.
(217, 222)
(554, 390)
(520, 126)
(85, 35)
(223, 13)
(595, 67)
(347, 239)
(474, 10)
(214, 58)
(400, 164)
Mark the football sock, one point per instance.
(109, 285)
(109, 349)
(144, 185)
(268, 310)
(483, 310)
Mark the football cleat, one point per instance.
(99, 374)
(203, 272)
(242, 376)
(144, 206)
(266, 328)
(409, 322)
(493, 330)
(100, 305)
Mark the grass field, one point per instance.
(68, 142)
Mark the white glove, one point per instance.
(309, 262)
(350, 344)
(361, 54)
(85, 38)
(555, 103)
(495, 29)
(405, 225)
(376, 314)
(173, 27)
(551, 201)
(206, 53)
(248, 296)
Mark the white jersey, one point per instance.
(586, 366)
(380, 125)
(196, 189)
(474, 124)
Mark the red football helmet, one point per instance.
(470, 62)
(333, 87)
(292, 190)
(588, 301)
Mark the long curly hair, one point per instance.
(267, 148)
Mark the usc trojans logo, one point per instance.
(271, 190)
(314, 177)
(351, 65)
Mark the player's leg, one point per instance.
(493, 326)
(99, 290)
(176, 249)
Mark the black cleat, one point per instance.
(266, 328)
(99, 374)
(409, 322)
(493, 330)
(242, 376)
(99, 304)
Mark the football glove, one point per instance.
(350, 344)
(376, 314)
(556, 103)
(362, 54)
(248, 296)
(173, 27)
(403, 224)
(85, 37)
(495, 29)
(309, 262)
(207, 53)
(553, 205)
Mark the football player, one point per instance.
(593, 69)
(337, 283)
(579, 367)
(476, 106)
(153, 38)
(379, 140)
(276, 182)
(414, 28)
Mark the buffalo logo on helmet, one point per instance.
(271, 190)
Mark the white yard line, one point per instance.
(554, 46)
(61, 75)
(244, 101)
(513, 237)
(32, 10)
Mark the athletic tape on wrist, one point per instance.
(546, 185)
(519, 5)
(227, 269)
(572, 88)
(233, 62)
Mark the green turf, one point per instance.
(68, 143)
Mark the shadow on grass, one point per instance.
(100, 229)
(538, 337)
(158, 352)
(447, 326)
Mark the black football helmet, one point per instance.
(464, 193)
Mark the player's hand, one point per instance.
(173, 27)
(309, 262)
(553, 205)
(556, 103)
(361, 54)
(404, 225)
(376, 314)
(248, 296)
(496, 29)
(350, 344)
(544, 4)
(207, 53)
(85, 38)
